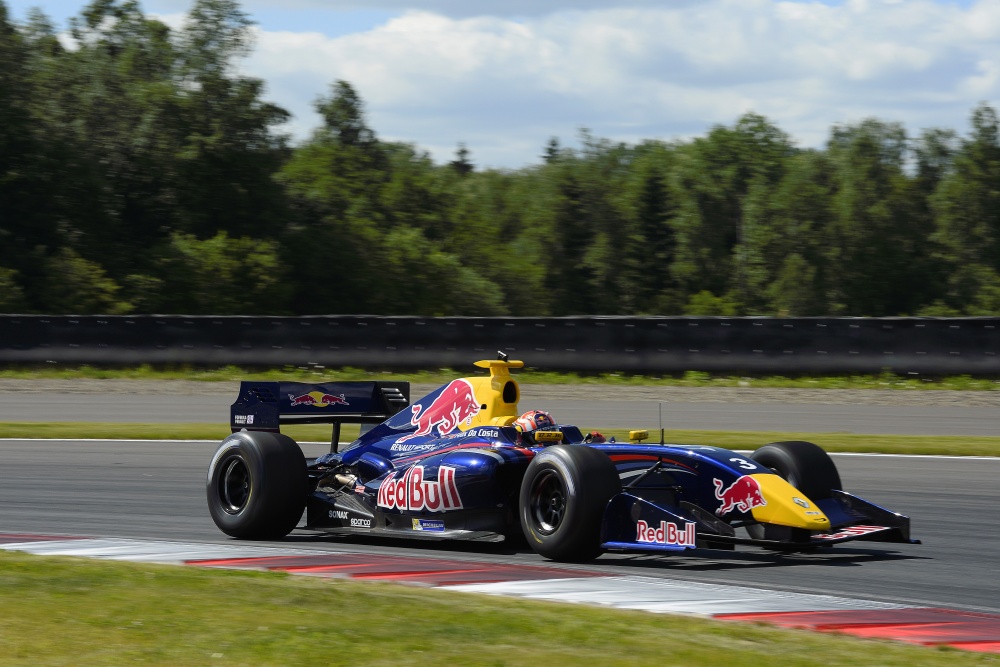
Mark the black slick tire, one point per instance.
(803, 465)
(564, 493)
(257, 485)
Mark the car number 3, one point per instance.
(743, 463)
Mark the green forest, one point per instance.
(140, 172)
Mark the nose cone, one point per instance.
(787, 506)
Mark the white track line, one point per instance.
(670, 596)
(627, 592)
(140, 551)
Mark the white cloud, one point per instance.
(505, 86)
(175, 20)
(466, 8)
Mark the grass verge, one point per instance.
(315, 373)
(64, 611)
(832, 442)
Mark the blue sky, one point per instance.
(503, 77)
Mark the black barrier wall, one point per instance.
(749, 345)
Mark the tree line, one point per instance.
(140, 172)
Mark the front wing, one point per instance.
(632, 523)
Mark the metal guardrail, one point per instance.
(749, 345)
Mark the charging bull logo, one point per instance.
(743, 494)
(455, 404)
(317, 398)
(413, 493)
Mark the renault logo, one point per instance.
(800, 502)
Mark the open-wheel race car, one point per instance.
(461, 464)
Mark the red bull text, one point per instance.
(455, 404)
(667, 533)
(412, 493)
(743, 495)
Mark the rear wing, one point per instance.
(265, 406)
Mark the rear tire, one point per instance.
(564, 493)
(257, 485)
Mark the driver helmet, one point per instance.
(534, 420)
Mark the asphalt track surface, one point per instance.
(588, 413)
(157, 490)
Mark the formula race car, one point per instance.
(460, 464)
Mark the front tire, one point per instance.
(257, 485)
(804, 465)
(564, 493)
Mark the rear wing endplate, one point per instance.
(265, 406)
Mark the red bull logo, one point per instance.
(455, 404)
(330, 399)
(413, 493)
(668, 533)
(304, 399)
(318, 399)
(743, 495)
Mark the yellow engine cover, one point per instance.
(497, 394)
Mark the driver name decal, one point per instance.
(413, 493)
(667, 533)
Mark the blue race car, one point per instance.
(460, 464)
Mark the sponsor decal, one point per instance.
(800, 502)
(243, 419)
(743, 495)
(547, 436)
(318, 399)
(454, 405)
(359, 488)
(850, 531)
(355, 521)
(814, 513)
(666, 533)
(411, 492)
(428, 525)
(400, 447)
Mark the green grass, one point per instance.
(832, 442)
(65, 611)
(315, 373)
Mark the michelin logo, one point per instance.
(428, 526)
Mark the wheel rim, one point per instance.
(234, 485)
(548, 502)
